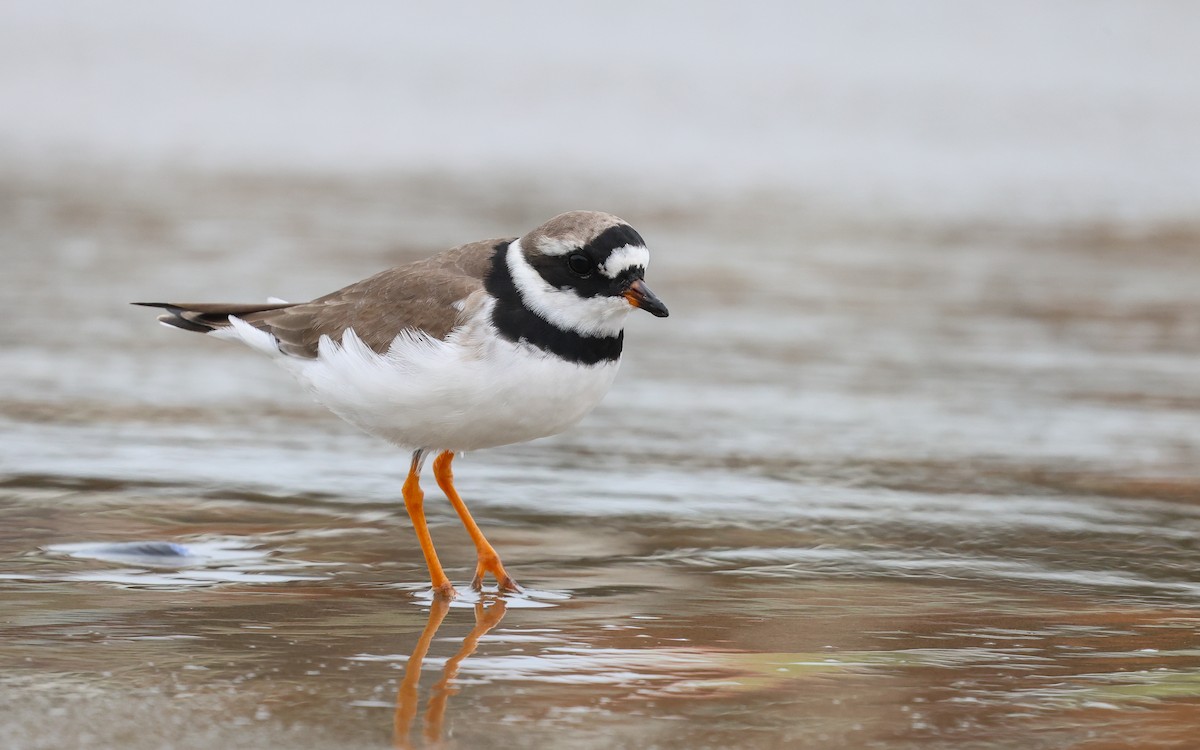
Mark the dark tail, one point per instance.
(204, 317)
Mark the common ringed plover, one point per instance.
(487, 344)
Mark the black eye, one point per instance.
(580, 264)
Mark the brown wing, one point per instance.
(419, 296)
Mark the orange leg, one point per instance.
(414, 503)
(488, 560)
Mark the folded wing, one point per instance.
(424, 296)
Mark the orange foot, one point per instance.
(489, 562)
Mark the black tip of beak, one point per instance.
(639, 295)
(658, 309)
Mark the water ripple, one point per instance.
(166, 563)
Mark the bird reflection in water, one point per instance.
(407, 699)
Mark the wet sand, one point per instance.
(874, 484)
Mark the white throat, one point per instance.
(589, 316)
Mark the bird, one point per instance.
(490, 343)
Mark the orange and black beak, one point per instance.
(639, 295)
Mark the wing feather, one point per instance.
(423, 296)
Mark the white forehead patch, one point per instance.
(623, 258)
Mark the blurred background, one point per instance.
(913, 463)
(1072, 110)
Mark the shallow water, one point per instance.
(869, 486)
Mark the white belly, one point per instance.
(452, 395)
